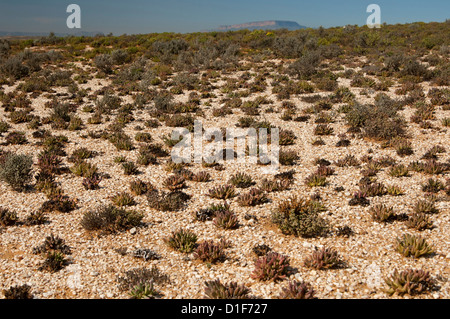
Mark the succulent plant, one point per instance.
(226, 219)
(174, 182)
(137, 276)
(359, 198)
(432, 167)
(394, 190)
(325, 258)
(7, 217)
(419, 221)
(201, 177)
(222, 192)
(403, 147)
(287, 157)
(261, 250)
(49, 163)
(286, 137)
(399, 171)
(182, 240)
(373, 189)
(129, 168)
(80, 154)
(252, 198)
(315, 180)
(413, 246)
(409, 281)
(344, 231)
(382, 213)
(54, 262)
(146, 254)
(432, 186)
(275, 185)
(58, 202)
(299, 217)
(144, 290)
(18, 292)
(84, 169)
(210, 252)
(324, 170)
(241, 180)
(425, 206)
(297, 290)
(123, 199)
(91, 183)
(272, 266)
(214, 289)
(138, 187)
(323, 129)
(36, 218)
(53, 243)
(348, 160)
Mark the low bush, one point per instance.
(110, 219)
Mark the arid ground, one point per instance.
(92, 205)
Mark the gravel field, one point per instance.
(369, 255)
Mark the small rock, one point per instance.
(133, 231)
(298, 276)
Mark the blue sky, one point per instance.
(140, 16)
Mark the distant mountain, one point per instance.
(44, 34)
(262, 25)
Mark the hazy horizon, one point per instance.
(139, 16)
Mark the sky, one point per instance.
(148, 16)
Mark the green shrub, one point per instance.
(110, 219)
(140, 276)
(162, 201)
(16, 170)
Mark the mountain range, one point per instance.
(262, 25)
(44, 34)
(258, 25)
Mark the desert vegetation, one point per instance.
(94, 206)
